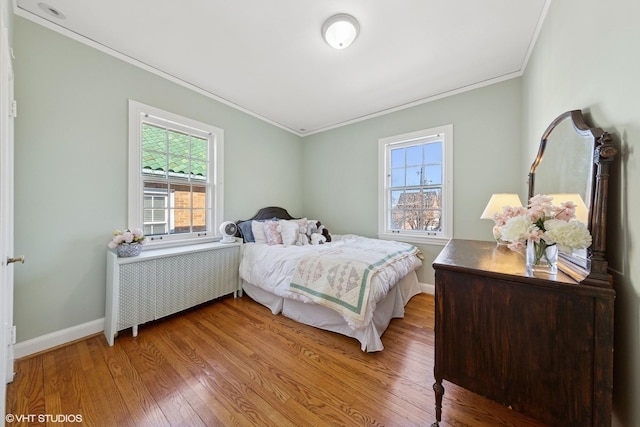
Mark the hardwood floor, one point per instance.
(233, 363)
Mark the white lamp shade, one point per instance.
(340, 30)
(497, 202)
(582, 213)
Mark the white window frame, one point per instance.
(137, 111)
(384, 180)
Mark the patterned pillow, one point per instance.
(271, 233)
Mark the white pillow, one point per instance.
(257, 227)
(289, 232)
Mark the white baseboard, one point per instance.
(427, 288)
(54, 339)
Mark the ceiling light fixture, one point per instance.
(340, 30)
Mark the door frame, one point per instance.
(7, 114)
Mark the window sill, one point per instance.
(172, 243)
(412, 238)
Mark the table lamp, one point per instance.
(496, 204)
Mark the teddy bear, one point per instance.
(312, 227)
(318, 233)
(312, 233)
(324, 231)
(317, 239)
(302, 239)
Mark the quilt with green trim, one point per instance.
(341, 280)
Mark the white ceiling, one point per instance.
(267, 57)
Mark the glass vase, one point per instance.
(542, 257)
(497, 234)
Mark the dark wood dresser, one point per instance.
(540, 345)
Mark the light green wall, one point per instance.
(588, 57)
(71, 169)
(71, 148)
(71, 141)
(341, 166)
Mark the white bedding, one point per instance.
(271, 268)
(391, 307)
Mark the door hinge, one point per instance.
(13, 335)
(14, 109)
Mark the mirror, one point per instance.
(573, 164)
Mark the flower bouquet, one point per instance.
(127, 243)
(541, 228)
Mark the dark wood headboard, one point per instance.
(270, 212)
(266, 213)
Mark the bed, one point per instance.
(351, 285)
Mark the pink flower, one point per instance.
(540, 207)
(127, 236)
(540, 200)
(535, 234)
(508, 212)
(535, 212)
(543, 221)
(517, 245)
(567, 211)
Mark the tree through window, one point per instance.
(415, 187)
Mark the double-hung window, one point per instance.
(175, 171)
(415, 186)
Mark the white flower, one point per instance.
(516, 228)
(572, 234)
(544, 221)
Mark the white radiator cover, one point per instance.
(161, 282)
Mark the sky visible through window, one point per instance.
(416, 185)
(417, 165)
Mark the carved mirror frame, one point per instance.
(590, 268)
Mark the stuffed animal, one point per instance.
(302, 239)
(317, 239)
(312, 227)
(324, 231)
(320, 234)
(312, 233)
